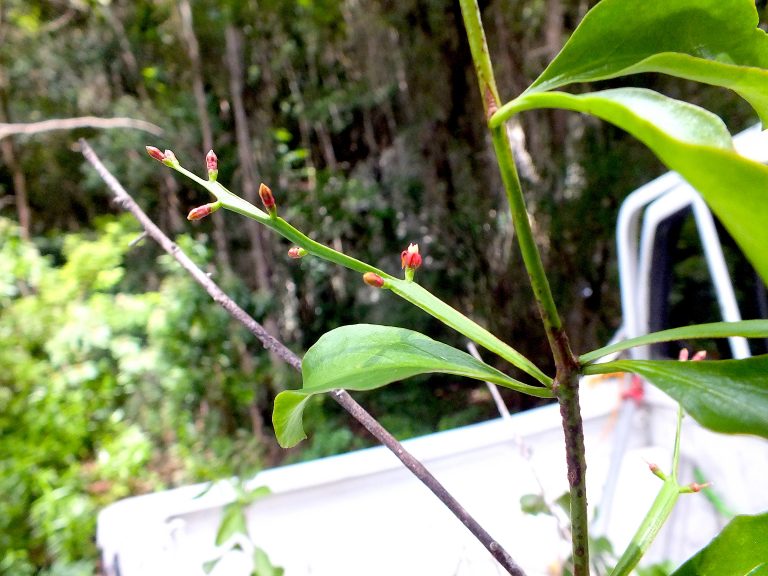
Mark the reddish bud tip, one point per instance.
(696, 487)
(373, 279)
(211, 161)
(296, 253)
(411, 258)
(656, 471)
(156, 153)
(202, 211)
(268, 199)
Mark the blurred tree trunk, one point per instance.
(126, 51)
(10, 159)
(198, 88)
(260, 255)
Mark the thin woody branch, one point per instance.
(26, 128)
(271, 343)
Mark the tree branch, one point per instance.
(341, 396)
(7, 129)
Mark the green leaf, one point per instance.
(712, 41)
(725, 396)
(364, 357)
(689, 140)
(745, 328)
(741, 549)
(262, 565)
(232, 522)
(251, 496)
(424, 299)
(534, 504)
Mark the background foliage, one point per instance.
(118, 376)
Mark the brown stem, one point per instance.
(279, 349)
(566, 389)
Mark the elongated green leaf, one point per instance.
(364, 357)
(232, 522)
(725, 396)
(741, 549)
(712, 41)
(690, 141)
(745, 328)
(419, 296)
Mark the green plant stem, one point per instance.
(657, 515)
(660, 510)
(409, 291)
(566, 385)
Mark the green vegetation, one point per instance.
(118, 376)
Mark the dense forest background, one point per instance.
(119, 376)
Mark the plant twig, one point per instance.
(283, 352)
(10, 129)
(566, 385)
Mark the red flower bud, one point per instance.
(212, 163)
(268, 199)
(411, 258)
(373, 279)
(155, 153)
(202, 211)
(296, 252)
(170, 157)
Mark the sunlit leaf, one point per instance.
(745, 328)
(232, 522)
(711, 41)
(690, 141)
(741, 549)
(725, 396)
(364, 357)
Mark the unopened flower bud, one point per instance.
(268, 200)
(297, 253)
(212, 163)
(696, 487)
(156, 153)
(373, 279)
(656, 471)
(410, 259)
(170, 159)
(202, 211)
